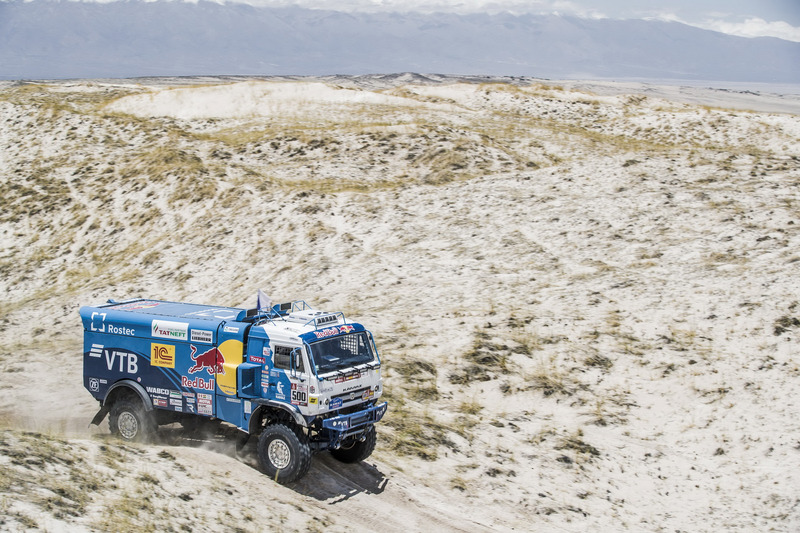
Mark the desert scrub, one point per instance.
(415, 433)
(491, 356)
(784, 324)
(49, 472)
(582, 451)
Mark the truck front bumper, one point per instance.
(352, 424)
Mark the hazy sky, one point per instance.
(747, 18)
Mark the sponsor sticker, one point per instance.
(173, 401)
(279, 394)
(160, 402)
(258, 359)
(336, 403)
(162, 355)
(94, 384)
(313, 400)
(204, 409)
(159, 391)
(348, 377)
(202, 335)
(143, 304)
(167, 329)
(121, 330)
(299, 394)
(210, 360)
(231, 329)
(197, 383)
(248, 407)
(333, 330)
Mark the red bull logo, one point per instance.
(211, 360)
(197, 383)
(333, 330)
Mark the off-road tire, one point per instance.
(130, 421)
(284, 453)
(357, 450)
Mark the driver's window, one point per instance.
(283, 358)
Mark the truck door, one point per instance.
(289, 374)
(229, 354)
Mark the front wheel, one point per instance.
(284, 453)
(130, 421)
(357, 450)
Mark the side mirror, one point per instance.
(296, 363)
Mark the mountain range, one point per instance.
(43, 39)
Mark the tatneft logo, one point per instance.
(167, 329)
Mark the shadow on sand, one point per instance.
(327, 480)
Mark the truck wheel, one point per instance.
(357, 450)
(284, 453)
(129, 420)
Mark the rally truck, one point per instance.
(301, 379)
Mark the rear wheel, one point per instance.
(284, 453)
(130, 421)
(357, 450)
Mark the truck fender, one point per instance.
(270, 404)
(124, 383)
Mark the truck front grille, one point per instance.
(352, 395)
(358, 420)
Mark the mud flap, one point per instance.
(101, 414)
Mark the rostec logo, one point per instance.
(212, 360)
(162, 355)
(166, 329)
(101, 326)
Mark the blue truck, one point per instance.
(301, 379)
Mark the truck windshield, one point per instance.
(339, 353)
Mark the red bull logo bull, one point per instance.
(211, 360)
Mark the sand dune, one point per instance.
(585, 295)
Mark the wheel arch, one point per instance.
(278, 410)
(118, 390)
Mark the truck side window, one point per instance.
(282, 358)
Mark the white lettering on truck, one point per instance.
(131, 366)
(116, 330)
